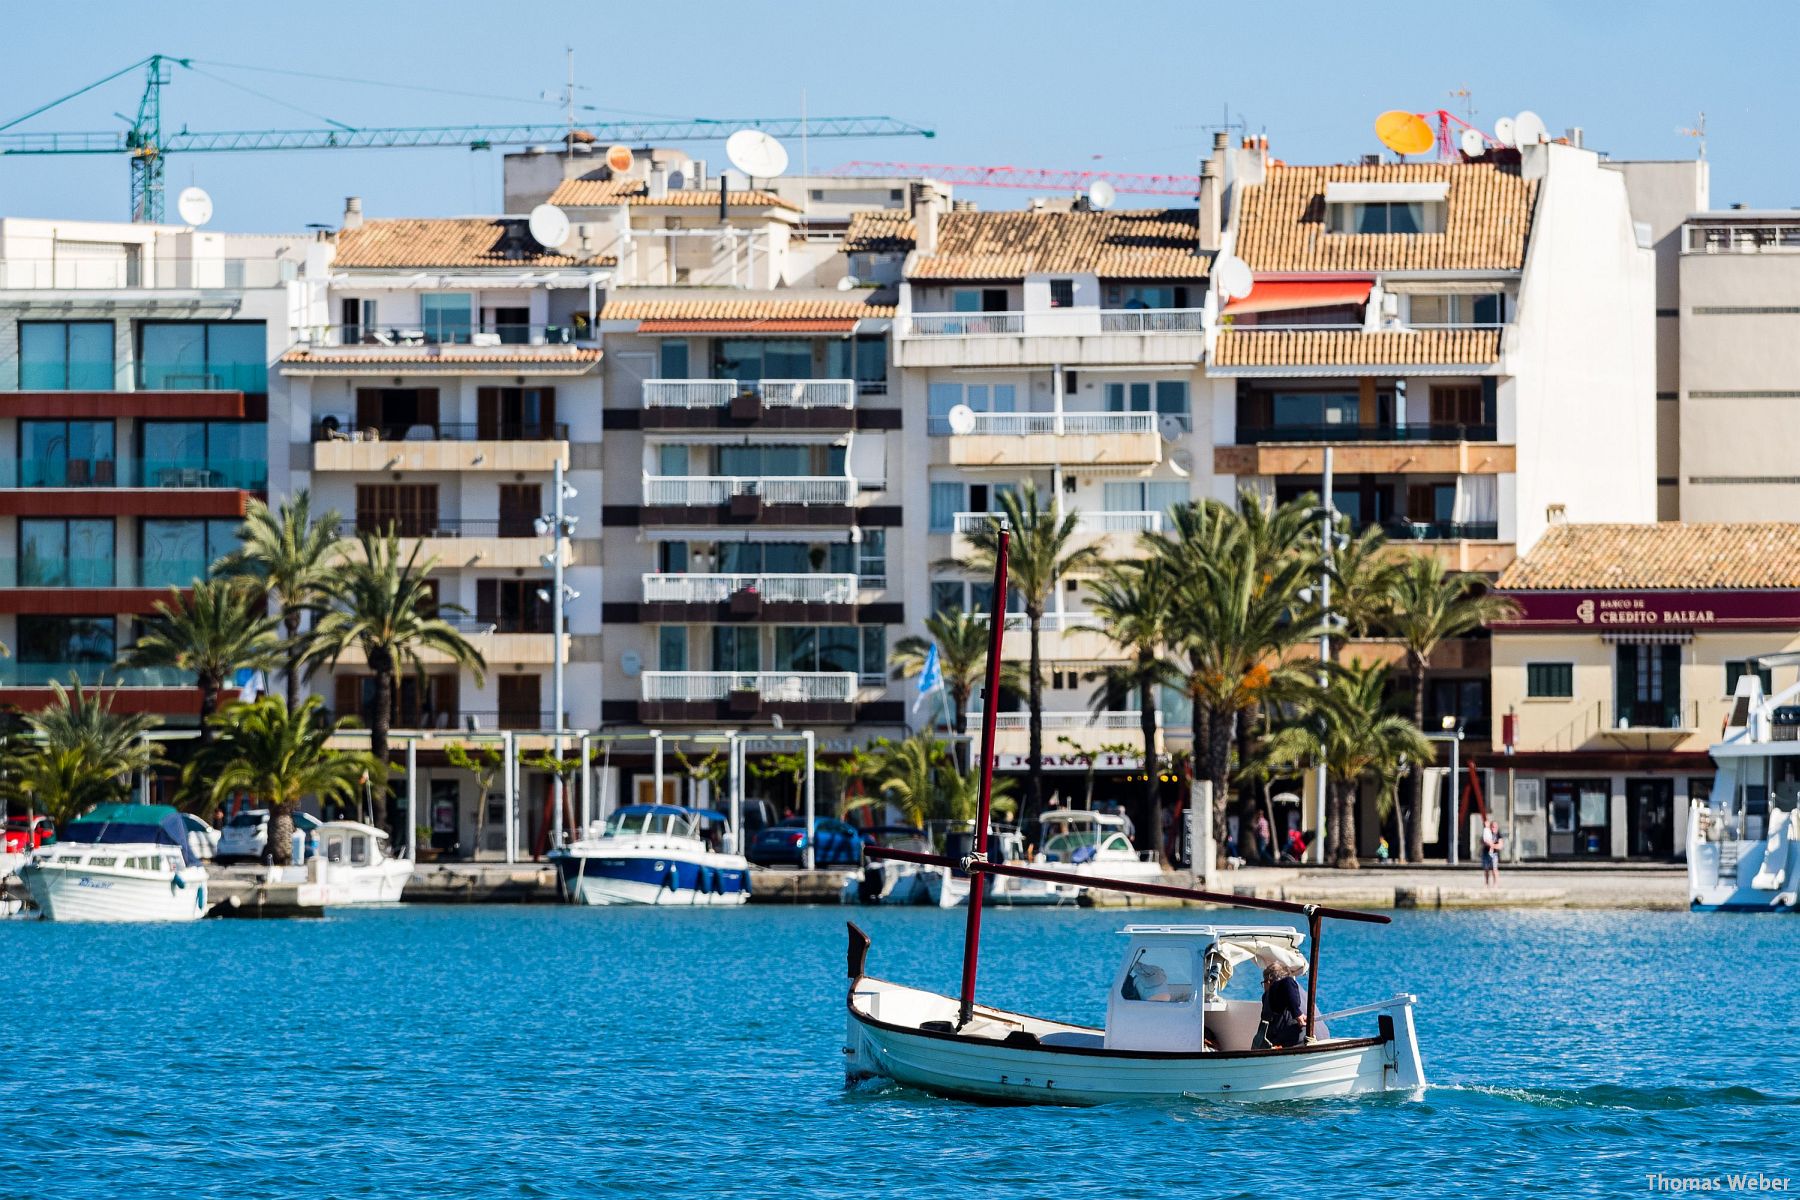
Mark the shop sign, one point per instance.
(1624, 612)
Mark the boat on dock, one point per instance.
(351, 867)
(653, 854)
(120, 862)
(948, 887)
(1743, 841)
(1077, 844)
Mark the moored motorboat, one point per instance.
(948, 887)
(351, 867)
(120, 862)
(1743, 840)
(653, 854)
(1077, 843)
(887, 881)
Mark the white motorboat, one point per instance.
(120, 862)
(653, 854)
(948, 887)
(889, 881)
(1743, 841)
(351, 867)
(1076, 843)
(1172, 1032)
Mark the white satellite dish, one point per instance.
(194, 205)
(1171, 427)
(1473, 144)
(1231, 275)
(1529, 129)
(1102, 194)
(849, 283)
(962, 419)
(1182, 463)
(1503, 132)
(756, 154)
(549, 226)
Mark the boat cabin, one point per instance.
(1169, 992)
(1076, 836)
(666, 822)
(350, 842)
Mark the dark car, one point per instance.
(836, 844)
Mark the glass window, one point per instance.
(1163, 974)
(674, 359)
(84, 640)
(671, 648)
(1485, 310)
(672, 460)
(66, 355)
(946, 502)
(735, 649)
(1062, 293)
(787, 360)
(1128, 397)
(966, 301)
(66, 454)
(1550, 679)
(871, 557)
(1736, 668)
(947, 595)
(874, 650)
(1172, 400)
(65, 553)
(185, 355)
(940, 399)
(177, 552)
(871, 360)
(1429, 310)
(446, 316)
(840, 648)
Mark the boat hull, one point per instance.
(1739, 875)
(70, 892)
(654, 877)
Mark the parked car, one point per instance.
(245, 838)
(836, 844)
(25, 834)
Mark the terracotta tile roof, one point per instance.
(1673, 555)
(1148, 244)
(595, 193)
(1349, 347)
(1281, 226)
(448, 242)
(883, 231)
(764, 309)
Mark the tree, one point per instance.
(293, 557)
(1363, 573)
(920, 778)
(382, 604)
(1352, 732)
(80, 754)
(1431, 605)
(962, 642)
(1135, 603)
(1042, 554)
(1236, 578)
(484, 762)
(217, 628)
(278, 756)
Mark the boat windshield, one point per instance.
(643, 823)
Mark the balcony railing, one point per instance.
(774, 393)
(1071, 423)
(771, 589)
(703, 491)
(964, 324)
(1050, 622)
(244, 473)
(154, 375)
(1150, 320)
(128, 269)
(1085, 522)
(837, 687)
(33, 572)
(347, 429)
(14, 673)
(1402, 530)
(419, 526)
(438, 333)
(1057, 322)
(1018, 722)
(1248, 435)
(1727, 237)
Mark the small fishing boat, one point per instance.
(885, 881)
(1743, 840)
(948, 887)
(1077, 843)
(653, 854)
(120, 862)
(352, 867)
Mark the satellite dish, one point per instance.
(1182, 463)
(1102, 194)
(1473, 144)
(631, 662)
(677, 181)
(1232, 277)
(1170, 426)
(962, 419)
(1404, 132)
(194, 205)
(619, 158)
(1529, 129)
(756, 154)
(1503, 132)
(849, 283)
(549, 226)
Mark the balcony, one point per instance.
(1026, 439)
(448, 346)
(1255, 435)
(534, 447)
(497, 646)
(815, 696)
(1367, 450)
(473, 543)
(1062, 637)
(1116, 533)
(35, 473)
(16, 674)
(747, 499)
(1073, 337)
(92, 586)
(1741, 237)
(1089, 731)
(758, 403)
(134, 268)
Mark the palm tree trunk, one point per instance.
(1415, 833)
(959, 705)
(292, 622)
(1218, 770)
(1152, 786)
(281, 833)
(1034, 779)
(379, 724)
(1346, 825)
(209, 704)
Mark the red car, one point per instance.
(25, 834)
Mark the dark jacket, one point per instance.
(1283, 1012)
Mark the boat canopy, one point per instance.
(1265, 945)
(666, 810)
(131, 824)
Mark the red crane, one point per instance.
(1036, 178)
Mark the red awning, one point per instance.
(754, 325)
(1273, 295)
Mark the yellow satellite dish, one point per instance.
(1404, 132)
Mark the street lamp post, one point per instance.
(1328, 535)
(1454, 735)
(559, 524)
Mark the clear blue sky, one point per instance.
(1132, 86)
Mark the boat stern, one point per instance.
(1405, 1067)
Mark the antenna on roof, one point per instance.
(1698, 132)
(1101, 195)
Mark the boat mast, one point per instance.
(990, 712)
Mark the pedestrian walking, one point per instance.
(1491, 841)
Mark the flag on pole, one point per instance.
(251, 683)
(931, 679)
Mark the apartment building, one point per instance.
(453, 380)
(134, 415)
(1060, 346)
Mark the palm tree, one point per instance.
(1041, 555)
(962, 643)
(383, 605)
(217, 628)
(920, 778)
(1237, 611)
(1135, 603)
(1431, 605)
(293, 557)
(80, 754)
(1363, 572)
(1356, 738)
(279, 756)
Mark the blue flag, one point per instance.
(931, 679)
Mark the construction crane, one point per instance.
(1037, 178)
(149, 148)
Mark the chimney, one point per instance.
(1574, 133)
(1211, 206)
(1555, 514)
(352, 212)
(925, 223)
(659, 182)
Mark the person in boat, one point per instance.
(1283, 1022)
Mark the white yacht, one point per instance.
(120, 862)
(1743, 841)
(1076, 842)
(653, 854)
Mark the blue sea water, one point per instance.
(431, 1052)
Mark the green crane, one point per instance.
(149, 148)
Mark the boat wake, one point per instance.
(1615, 1096)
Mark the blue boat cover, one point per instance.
(668, 810)
(131, 824)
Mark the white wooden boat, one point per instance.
(653, 854)
(1185, 1040)
(352, 867)
(120, 862)
(1743, 840)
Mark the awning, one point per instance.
(1386, 193)
(1647, 637)
(1274, 295)
(769, 325)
